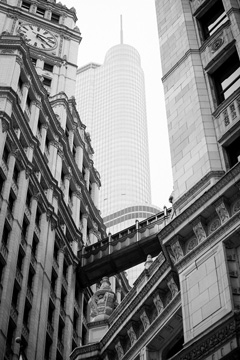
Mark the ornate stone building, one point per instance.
(48, 183)
(186, 304)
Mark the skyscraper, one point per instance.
(111, 102)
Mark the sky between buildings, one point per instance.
(99, 23)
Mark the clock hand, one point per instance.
(42, 38)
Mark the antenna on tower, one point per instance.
(121, 30)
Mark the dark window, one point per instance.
(48, 346)
(26, 5)
(20, 260)
(30, 279)
(34, 247)
(55, 251)
(6, 153)
(28, 102)
(48, 67)
(38, 217)
(28, 199)
(60, 332)
(20, 82)
(55, 18)
(50, 314)
(227, 78)
(15, 296)
(24, 227)
(40, 11)
(1, 182)
(65, 267)
(212, 19)
(63, 298)
(47, 82)
(34, 61)
(26, 314)
(233, 152)
(11, 200)
(53, 280)
(5, 235)
(15, 173)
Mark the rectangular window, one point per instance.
(48, 67)
(226, 78)
(47, 82)
(213, 18)
(233, 152)
(55, 18)
(40, 11)
(26, 5)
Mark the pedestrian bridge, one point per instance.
(122, 250)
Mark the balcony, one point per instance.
(50, 329)
(64, 282)
(29, 295)
(33, 262)
(55, 265)
(23, 243)
(14, 187)
(75, 336)
(19, 276)
(4, 252)
(9, 217)
(4, 168)
(62, 313)
(60, 347)
(227, 115)
(76, 307)
(14, 314)
(37, 231)
(25, 332)
(27, 213)
(52, 295)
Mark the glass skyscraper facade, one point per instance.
(111, 103)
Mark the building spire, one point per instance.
(121, 30)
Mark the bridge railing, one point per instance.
(126, 237)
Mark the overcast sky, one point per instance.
(99, 23)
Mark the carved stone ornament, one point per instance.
(119, 350)
(192, 243)
(158, 303)
(145, 320)
(177, 250)
(103, 302)
(199, 232)
(214, 225)
(222, 212)
(5, 125)
(172, 286)
(236, 206)
(132, 335)
(217, 43)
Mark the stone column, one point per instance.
(58, 170)
(69, 312)
(57, 303)
(87, 177)
(95, 194)
(25, 89)
(54, 83)
(34, 118)
(67, 179)
(84, 227)
(79, 157)
(53, 147)
(70, 138)
(76, 199)
(44, 128)
(3, 135)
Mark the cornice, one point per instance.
(194, 209)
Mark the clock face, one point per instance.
(37, 36)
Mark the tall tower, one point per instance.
(48, 184)
(111, 102)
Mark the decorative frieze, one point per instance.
(144, 318)
(172, 286)
(199, 230)
(158, 303)
(176, 252)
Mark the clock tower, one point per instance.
(48, 183)
(49, 29)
